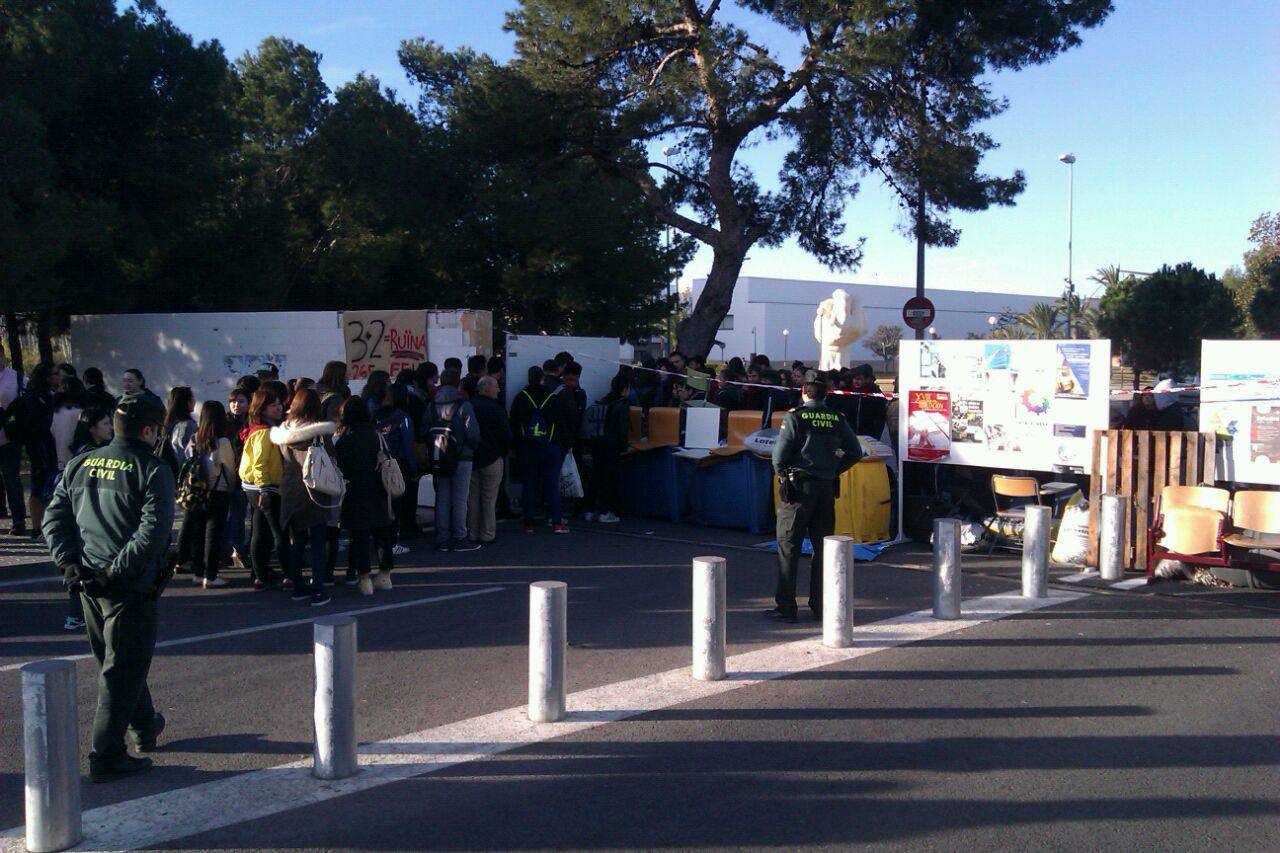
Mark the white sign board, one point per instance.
(1003, 404)
(1240, 402)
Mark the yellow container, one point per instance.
(865, 503)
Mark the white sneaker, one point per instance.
(366, 585)
(383, 581)
(213, 583)
(590, 516)
(609, 518)
(400, 550)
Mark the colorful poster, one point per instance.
(928, 425)
(1264, 434)
(995, 356)
(1073, 372)
(966, 421)
(384, 340)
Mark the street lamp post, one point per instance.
(786, 333)
(1070, 161)
(933, 332)
(755, 344)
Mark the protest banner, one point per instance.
(384, 340)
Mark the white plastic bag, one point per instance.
(570, 480)
(1072, 547)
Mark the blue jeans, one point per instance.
(451, 503)
(237, 512)
(318, 537)
(10, 465)
(540, 471)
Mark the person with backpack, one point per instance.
(205, 483)
(452, 437)
(366, 514)
(305, 444)
(237, 505)
(488, 464)
(261, 472)
(605, 428)
(396, 428)
(415, 406)
(536, 417)
(29, 424)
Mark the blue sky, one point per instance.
(1172, 108)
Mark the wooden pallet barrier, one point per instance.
(1139, 464)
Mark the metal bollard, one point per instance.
(708, 618)
(1036, 526)
(1114, 508)
(837, 592)
(334, 753)
(51, 753)
(548, 603)
(946, 568)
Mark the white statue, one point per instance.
(838, 324)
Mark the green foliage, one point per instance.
(891, 88)
(1043, 321)
(1156, 323)
(883, 341)
(1259, 294)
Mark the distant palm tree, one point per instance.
(1011, 332)
(1084, 315)
(1108, 277)
(1040, 321)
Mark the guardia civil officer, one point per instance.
(108, 528)
(815, 446)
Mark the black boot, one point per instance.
(147, 742)
(114, 768)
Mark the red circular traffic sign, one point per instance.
(918, 312)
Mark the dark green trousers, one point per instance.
(814, 516)
(122, 632)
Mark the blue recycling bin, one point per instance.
(736, 493)
(654, 486)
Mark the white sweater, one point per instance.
(64, 433)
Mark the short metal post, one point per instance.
(1114, 508)
(708, 618)
(51, 750)
(946, 568)
(335, 698)
(837, 592)
(1036, 527)
(548, 605)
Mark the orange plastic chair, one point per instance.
(775, 421)
(664, 427)
(635, 428)
(1024, 489)
(1256, 515)
(1203, 497)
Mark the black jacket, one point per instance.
(365, 506)
(495, 431)
(553, 412)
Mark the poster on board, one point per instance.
(384, 340)
(1240, 403)
(1010, 404)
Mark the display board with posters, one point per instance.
(1240, 403)
(384, 340)
(1003, 404)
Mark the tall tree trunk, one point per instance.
(44, 335)
(696, 333)
(15, 340)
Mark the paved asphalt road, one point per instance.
(1115, 720)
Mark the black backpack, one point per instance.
(538, 428)
(595, 422)
(444, 451)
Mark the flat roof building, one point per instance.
(763, 307)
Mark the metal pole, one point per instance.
(921, 202)
(548, 605)
(1111, 544)
(1036, 526)
(51, 754)
(708, 618)
(946, 568)
(1071, 193)
(334, 752)
(837, 592)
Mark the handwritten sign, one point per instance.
(384, 340)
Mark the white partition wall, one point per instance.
(598, 357)
(1005, 404)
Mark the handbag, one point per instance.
(389, 471)
(320, 476)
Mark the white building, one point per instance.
(763, 308)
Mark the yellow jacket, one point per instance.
(260, 464)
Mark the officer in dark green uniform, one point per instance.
(815, 446)
(108, 528)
